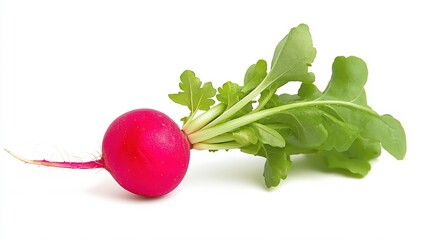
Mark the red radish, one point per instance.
(144, 150)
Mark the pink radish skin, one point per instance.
(144, 150)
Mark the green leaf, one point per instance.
(193, 95)
(254, 149)
(389, 132)
(349, 76)
(245, 136)
(268, 135)
(384, 129)
(230, 93)
(267, 96)
(308, 91)
(355, 159)
(254, 75)
(306, 128)
(315, 128)
(292, 57)
(276, 166)
(341, 134)
(277, 162)
(287, 98)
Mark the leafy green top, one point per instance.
(336, 123)
(195, 96)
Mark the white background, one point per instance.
(68, 68)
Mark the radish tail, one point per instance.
(99, 163)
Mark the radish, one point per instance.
(148, 154)
(144, 150)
